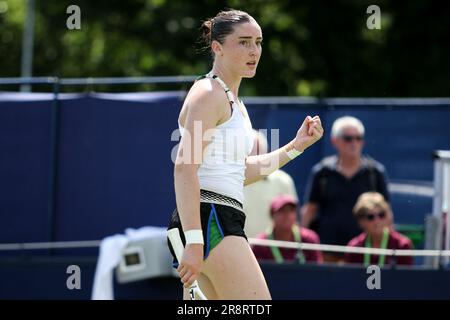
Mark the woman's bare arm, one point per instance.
(260, 166)
(204, 111)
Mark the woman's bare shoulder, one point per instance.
(207, 97)
(206, 90)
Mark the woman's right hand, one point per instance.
(191, 264)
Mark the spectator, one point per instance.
(372, 213)
(258, 195)
(336, 183)
(284, 214)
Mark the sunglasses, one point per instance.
(351, 138)
(371, 217)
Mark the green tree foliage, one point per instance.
(311, 48)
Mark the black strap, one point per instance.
(222, 84)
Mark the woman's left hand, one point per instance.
(309, 133)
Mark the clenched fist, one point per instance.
(310, 132)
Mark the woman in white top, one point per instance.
(213, 164)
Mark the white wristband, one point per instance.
(194, 236)
(293, 153)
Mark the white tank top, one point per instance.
(223, 167)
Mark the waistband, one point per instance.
(216, 198)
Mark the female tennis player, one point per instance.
(213, 165)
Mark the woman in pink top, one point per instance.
(374, 216)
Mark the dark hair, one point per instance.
(221, 25)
